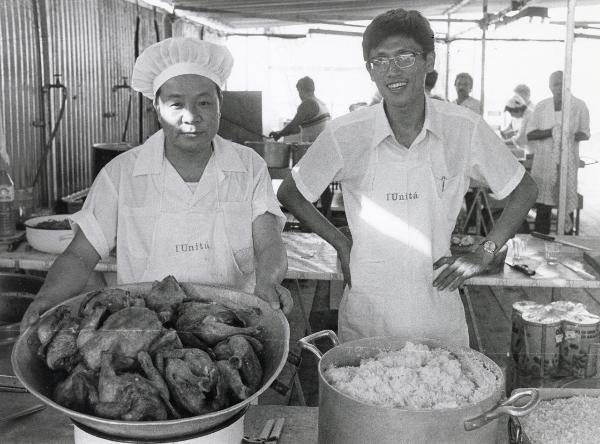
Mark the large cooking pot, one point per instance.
(344, 420)
(276, 154)
(36, 377)
(16, 293)
(298, 151)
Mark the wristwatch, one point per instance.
(489, 247)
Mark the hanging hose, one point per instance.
(59, 118)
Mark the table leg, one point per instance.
(478, 343)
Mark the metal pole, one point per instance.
(483, 33)
(566, 119)
(447, 58)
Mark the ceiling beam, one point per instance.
(456, 6)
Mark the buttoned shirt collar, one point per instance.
(151, 160)
(382, 128)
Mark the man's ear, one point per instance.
(369, 71)
(157, 109)
(430, 61)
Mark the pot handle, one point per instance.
(506, 407)
(305, 342)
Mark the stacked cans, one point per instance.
(558, 339)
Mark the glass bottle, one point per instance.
(7, 200)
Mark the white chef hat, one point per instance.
(515, 101)
(178, 56)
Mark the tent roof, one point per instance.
(270, 13)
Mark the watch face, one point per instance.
(489, 246)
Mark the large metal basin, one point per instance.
(345, 420)
(36, 377)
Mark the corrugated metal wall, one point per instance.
(20, 89)
(90, 43)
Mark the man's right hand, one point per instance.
(275, 135)
(37, 308)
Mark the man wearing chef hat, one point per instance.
(187, 202)
(405, 165)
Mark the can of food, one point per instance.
(593, 364)
(581, 330)
(540, 354)
(516, 337)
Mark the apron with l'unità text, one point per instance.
(406, 218)
(209, 244)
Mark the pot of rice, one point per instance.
(395, 390)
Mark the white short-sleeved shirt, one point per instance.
(135, 179)
(472, 104)
(461, 146)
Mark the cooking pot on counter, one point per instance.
(38, 379)
(276, 154)
(16, 293)
(345, 420)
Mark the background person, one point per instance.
(405, 165)
(544, 134)
(524, 91)
(311, 116)
(187, 202)
(464, 85)
(430, 81)
(516, 130)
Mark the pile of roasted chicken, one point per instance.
(159, 356)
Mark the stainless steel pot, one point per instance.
(344, 420)
(37, 378)
(16, 293)
(276, 154)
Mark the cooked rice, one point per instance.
(415, 377)
(574, 420)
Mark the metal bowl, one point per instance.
(36, 377)
(16, 293)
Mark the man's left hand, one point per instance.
(460, 268)
(277, 296)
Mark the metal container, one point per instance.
(298, 151)
(105, 152)
(36, 377)
(344, 420)
(580, 332)
(16, 293)
(516, 338)
(540, 354)
(276, 154)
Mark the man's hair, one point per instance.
(306, 84)
(398, 22)
(464, 75)
(431, 79)
(522, 90)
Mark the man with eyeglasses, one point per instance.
(404, 166)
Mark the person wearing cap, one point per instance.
(464, 85)
(544, 131)
(187, 202)
(404, 166)
(516, 130)
(311, 116)
(524, 91)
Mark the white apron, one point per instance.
(405, 224)
(197, 243)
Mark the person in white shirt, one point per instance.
(516, 130)
(186, 203)
(404, 166)
(544, 136)
(464, 85)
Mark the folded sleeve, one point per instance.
(321, 165)
(263, 195)
(98, 216)
(492, 162)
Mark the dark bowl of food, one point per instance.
(49, 234)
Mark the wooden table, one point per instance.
(309, 257)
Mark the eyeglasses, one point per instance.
(402, 61)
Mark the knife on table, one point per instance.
(559, 241)
(523, 268)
